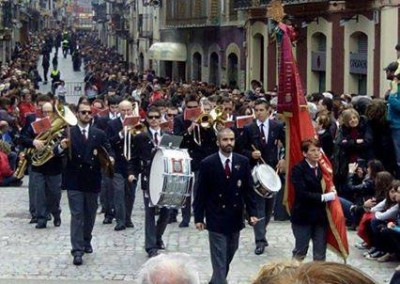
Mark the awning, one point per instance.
(168, 51)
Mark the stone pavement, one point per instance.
(29, 254)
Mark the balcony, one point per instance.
(298, 2)
(247, 4)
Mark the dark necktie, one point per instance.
(84, 135)
(262, 134)
(156, 138)
(227, 168)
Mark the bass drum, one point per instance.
(266, 181)
(170, 178)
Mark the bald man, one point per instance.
(124, 191)
(46, 179)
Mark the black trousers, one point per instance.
(83, 207)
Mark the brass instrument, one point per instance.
(22, 163)
(64, 116)
(129, 132)
(203, 121)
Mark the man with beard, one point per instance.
(225, 186)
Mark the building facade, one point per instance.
(342, 46)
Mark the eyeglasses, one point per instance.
(171, 114)
(85, 112)
(153, 117)
(228, 109)
(192, 106)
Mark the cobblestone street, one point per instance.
(30, 254)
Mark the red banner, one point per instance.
(292, 103)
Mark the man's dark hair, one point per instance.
(262, 102)
(191, 98)
(306, 144)
(113, 100)
(153, 109)
(43, 98)
(328, 103)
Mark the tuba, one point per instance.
(64, 117)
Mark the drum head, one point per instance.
(269, 178)
(156, 177)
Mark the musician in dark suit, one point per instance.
(200, 142)
(83, 179)
(260, 140)
(144, 148)
(107, 192)
(225, 187)
(26, 141)
(44, 180)
(308, 216)
(124, 191)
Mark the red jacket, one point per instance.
(5, 169)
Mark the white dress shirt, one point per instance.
(224, 158)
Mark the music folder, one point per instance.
(171, 141)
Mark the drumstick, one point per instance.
(69, 142)
(255, 149)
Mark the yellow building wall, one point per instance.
(367, 27)
(324, 27)
(253, 62)
(389, 39)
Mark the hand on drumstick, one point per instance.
(254, 220)
(131, 178)
(200, 226)
(281, 166)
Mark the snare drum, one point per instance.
(266, 181)
(170, 178)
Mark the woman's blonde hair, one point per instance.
(347, 114)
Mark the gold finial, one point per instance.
(275, 10)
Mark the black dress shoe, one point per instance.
(160, 245)
(77, 260)
(88, 249)
(57, 221)
(33, 220)
(152, 253)
(129, 224)
(40, 226)
(107, 220)
(259, 249)
(49, 217)
(119, 227)
(183, 225)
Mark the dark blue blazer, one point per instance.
(221, 200)
(101, 122)
(269, 152)
(180, 125)
(83, 170)
(117, 143)
(308, 209)
(143, 151)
